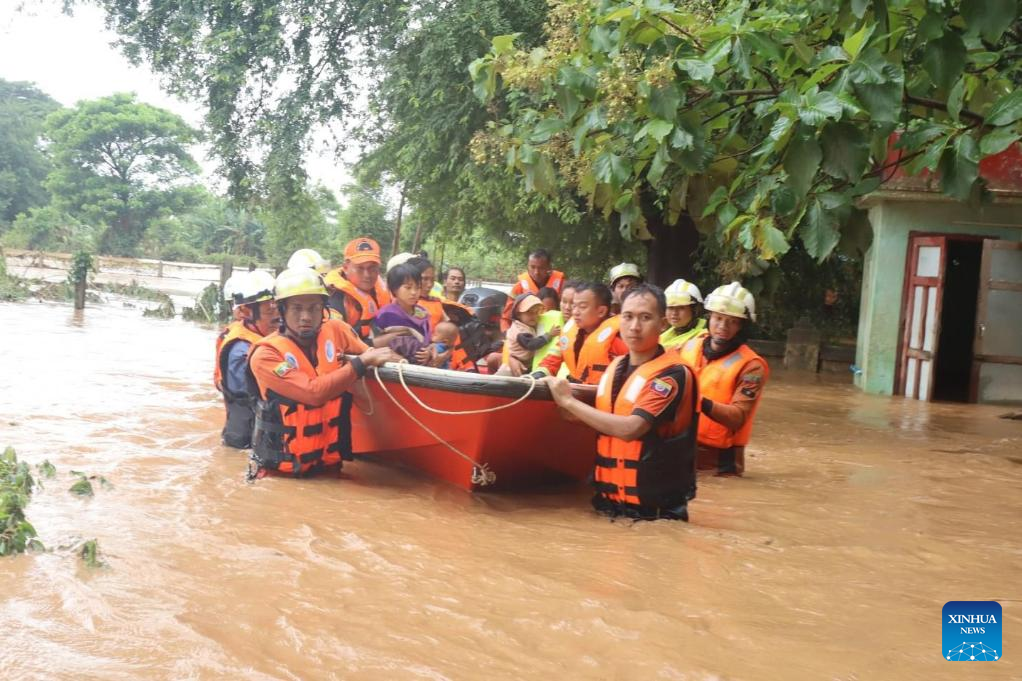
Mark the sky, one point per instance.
(72, 58)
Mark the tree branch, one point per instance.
(937, 104)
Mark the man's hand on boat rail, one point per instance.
(375, 357)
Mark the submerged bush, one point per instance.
(16, 486)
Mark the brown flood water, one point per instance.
(860, 517)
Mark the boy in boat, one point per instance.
(303, 415)
(522, 341)
(645, 414)
(588, 345)
(731, 379)
(445, 337)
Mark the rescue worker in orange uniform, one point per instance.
(303, 415)
(538, 274)
(257, 317)
(587, 346)
(356, 292)
(731, 379)
(646, 414)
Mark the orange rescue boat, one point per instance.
(474, 430)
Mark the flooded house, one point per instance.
(941, 310)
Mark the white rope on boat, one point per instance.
(488, 410)
(481, 474)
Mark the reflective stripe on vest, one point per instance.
(292, 437)
(657, 470)
(594, 357)
(717, 381)
(357, 307)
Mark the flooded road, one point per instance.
(859, 518)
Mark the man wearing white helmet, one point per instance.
(731, 379)
(256, 317)
(683, 313)
(230, 285)
(623, 278)
(308, 257)
(303, 414)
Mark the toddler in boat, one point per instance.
(521, 341)
(445, 337)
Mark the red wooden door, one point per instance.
(924, 292)
(997, 346)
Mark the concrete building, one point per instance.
(941, 309)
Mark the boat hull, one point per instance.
(524, 445)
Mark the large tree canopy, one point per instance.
(23, 166)
(764, 120)
(120, 163)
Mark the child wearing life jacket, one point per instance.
(521, 341)
(407, 319)
(445, 337)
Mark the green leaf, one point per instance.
(545, 129)
(697, 68)
(930, 158)
(771, 242)
(859, 8)
(82, 488)
(717, 52)
(623, 200)
(959, 167)
(502, 44)
(802, 160)
(664, 102)
(740, 59)
(660, 162)
(656, 128)
(716, 198)
(817, 107)
(845, 151)
(1006, 110)
(854, 43)
(821, 74)
(878, 85)
(991, 18)
(955, 97)
(818, 231)
(997, 141)
(944, 59)
(783, 201)
(601, 39)
(612, 169)
(727, 214)
(682, 139)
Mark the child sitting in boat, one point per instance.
(445, 337)
(521, 341)
(406, 317)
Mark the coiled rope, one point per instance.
(481, 474)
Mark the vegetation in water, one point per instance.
(210, 307)
(16, 487)
(90, 555)
(82, 487)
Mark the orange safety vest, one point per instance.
(291, 437)
(594, 356)
(435, 308)
(239, 414)
(355, 306)
(656, 472)
(555, 281)
(717, 381)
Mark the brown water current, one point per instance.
(859, 518)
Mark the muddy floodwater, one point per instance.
(859, 518)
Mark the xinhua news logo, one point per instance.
(972, 631)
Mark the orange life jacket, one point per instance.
(435, 308)
(291, 437)
(459, 358)
(555, 281)
(355, 306)
(594, 356)
(238, 404)
(717, 381)
(657, 471)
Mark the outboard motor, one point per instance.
(480, 330)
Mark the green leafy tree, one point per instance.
(121, 163)
(23, 165)
(764, 121)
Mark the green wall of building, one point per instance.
(893, 217)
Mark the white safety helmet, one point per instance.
(625, 269)
(232, 285)
(732, 299)
(256, 287)
(307, 257)
(682, 292)
(398, 259)
(298, 281)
